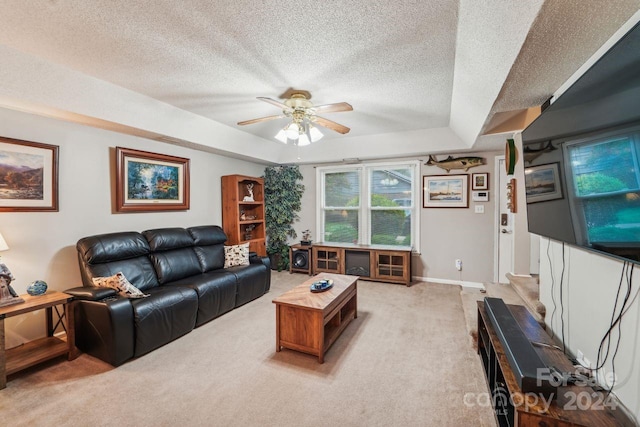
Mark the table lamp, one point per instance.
(3, 244)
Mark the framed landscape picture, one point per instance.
(445, 191)
(542, 183)
(28, 176)
(147, 182)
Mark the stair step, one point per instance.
(528, 288)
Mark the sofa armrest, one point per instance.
(255, 259)
(105, 329)
(91, 293)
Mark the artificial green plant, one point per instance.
(282, 202)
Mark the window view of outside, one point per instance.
(390, 190)
(388, 211)
(605, 178)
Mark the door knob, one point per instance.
(505, 231)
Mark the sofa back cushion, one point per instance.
(209, 246)
(172, 254)
(107, 254)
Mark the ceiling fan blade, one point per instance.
(274, 102)
(331, 125)
(333, 108)
(261, 119)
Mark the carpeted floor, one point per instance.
(405, 361)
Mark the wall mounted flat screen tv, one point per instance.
(582, 158)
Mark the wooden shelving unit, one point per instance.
(240, 217)
(42, 349)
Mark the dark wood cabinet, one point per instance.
(570, 406)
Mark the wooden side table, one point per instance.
(37, 351)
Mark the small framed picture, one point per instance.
(148, 182)
(542, 183)
(480, 181)
(445, 191)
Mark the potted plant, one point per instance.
(282, 202)
(306, 238)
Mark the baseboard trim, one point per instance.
(464, 283)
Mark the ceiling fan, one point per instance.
(303, 115)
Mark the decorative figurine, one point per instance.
(456, 163)
(248, 235)
(306, 238)
(39, 287)
(249, 198)
(7, 295)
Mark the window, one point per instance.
(605, 176)
(373, 204)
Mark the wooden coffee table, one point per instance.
(310, 322)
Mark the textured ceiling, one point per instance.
(396, 62)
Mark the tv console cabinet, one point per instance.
(377, 263)
(573, 405)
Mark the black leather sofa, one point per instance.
(183, 272)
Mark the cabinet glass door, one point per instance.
(328, 260)
(391, 265)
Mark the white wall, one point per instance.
(446, 234)
(42, 244)
(589, 288)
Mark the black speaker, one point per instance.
(300, 260)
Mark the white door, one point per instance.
(504, 225)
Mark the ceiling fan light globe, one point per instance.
(292, 131)
(303, 140)
(281, 136)
(316, 135)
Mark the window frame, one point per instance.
(365, 171)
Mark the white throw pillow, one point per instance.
(120, 284)
(236, 255)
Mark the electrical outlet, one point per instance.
(459, 264)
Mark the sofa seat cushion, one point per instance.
(168, 313)
(251, 280)
(216, 293)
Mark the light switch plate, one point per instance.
(479, 208)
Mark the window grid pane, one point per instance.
(342, 189)
(341, 225)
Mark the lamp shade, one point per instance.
(3, 244)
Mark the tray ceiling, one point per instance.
(405, 67)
